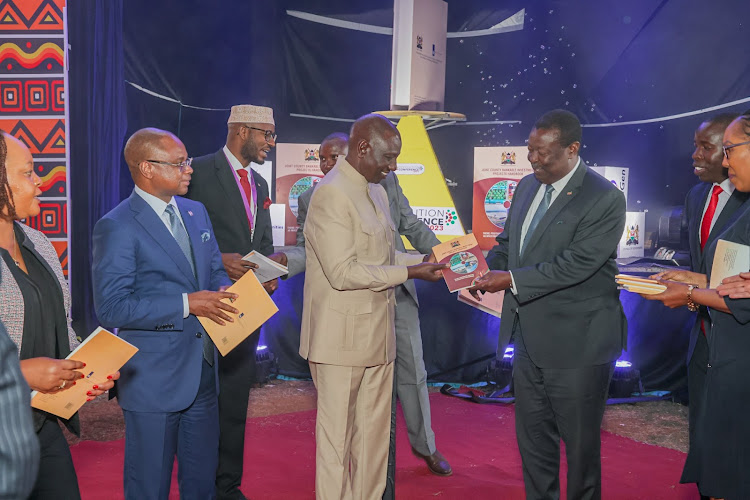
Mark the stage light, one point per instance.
(625, 380)
(266, 365)
(500, 370)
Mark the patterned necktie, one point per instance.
(540, 211)
(179, 233)
(183, 240)
(251, 193)
(709, 216)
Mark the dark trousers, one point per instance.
(696, 382)
(554, 404)
(152, 439)
(57, 478)
(236, 377)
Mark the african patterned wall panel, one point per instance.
(32, 103)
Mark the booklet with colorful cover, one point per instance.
(104, 353)
(491, 303)
(465, 262)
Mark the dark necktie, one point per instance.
(183, 240)
(540, 211)
(709, 216)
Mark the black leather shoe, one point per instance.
(436, 462)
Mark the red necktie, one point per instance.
(709, 216)
(250, 193)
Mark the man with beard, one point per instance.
(710, 207)
(237, 200)
(556, 259)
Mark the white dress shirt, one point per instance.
(161, 210)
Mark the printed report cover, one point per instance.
(465, 262)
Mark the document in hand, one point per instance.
(465, 260)
(254, 306)
(104, 354)
(729, 259)
(267, 269)
(636, 284)
(491, 303)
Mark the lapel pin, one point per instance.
(190, 212)
(569, 193)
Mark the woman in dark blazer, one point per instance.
(720, 460)
(34, 307)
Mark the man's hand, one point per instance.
(235, 266)
(209, 305)
(688, 277)
(49, 375)
(279, 257)
(271, 286)
(494, 281)
(674, 296)
(736, 287)
(426, 271)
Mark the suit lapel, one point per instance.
(155, 228)
(259, 221)
(728, 214)
(229, 185)
(569, 192)
(196, 241)
(694, 231)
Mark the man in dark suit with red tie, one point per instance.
(710, 207)
(237, 200)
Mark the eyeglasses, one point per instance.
(182, 165)
(727, 148)
(268, 135)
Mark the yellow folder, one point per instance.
(254, 306)
(104, 354)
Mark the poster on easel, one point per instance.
(297, 170)
(497, 171)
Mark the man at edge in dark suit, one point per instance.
(556, 259)
(237, 200)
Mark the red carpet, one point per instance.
(478, 440)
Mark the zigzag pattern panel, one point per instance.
(39, 17)
(32, 103)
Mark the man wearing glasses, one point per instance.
(237, 200)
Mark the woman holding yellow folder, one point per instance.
(35, 307)
(720, 459)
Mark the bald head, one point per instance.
(154, 157)
(374, 146)
(333, 146)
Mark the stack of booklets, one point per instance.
(491, 303)
(465, 262)
(104, 353)
(267, 269)
(636, 284)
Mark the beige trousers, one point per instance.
(352, 430)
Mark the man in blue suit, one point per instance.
(156, 267)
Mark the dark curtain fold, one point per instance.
(98, 123)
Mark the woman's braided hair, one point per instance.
(7, 208)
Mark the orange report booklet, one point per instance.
(255, 307)
(465, 260)
(491, 303)
(104, 354)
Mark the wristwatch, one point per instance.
(692, 306)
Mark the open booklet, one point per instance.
(465, 260)
(104, 353)
(254, 306)
(730, 259)
(491, 303)
(267, 269)
(636, 284)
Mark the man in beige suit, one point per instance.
(348, 334)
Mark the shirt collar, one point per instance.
(345, 168)
(726, 186)
(155, 203)
(233, 161)
(560, 185)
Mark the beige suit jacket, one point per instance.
(352, 266)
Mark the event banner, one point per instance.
(631, 243)
(617, 176)
(423, 183)
(420, 29)
(297, 170)
(497, 171)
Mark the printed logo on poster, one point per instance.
(410, 169)
(440, 220)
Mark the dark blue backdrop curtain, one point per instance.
(97, 128)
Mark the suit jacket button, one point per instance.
(199, 335)
(708, 365)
